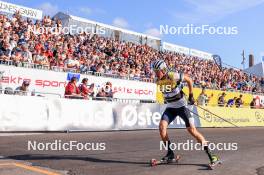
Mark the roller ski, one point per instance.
(214, 162)
(169, 158)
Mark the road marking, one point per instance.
(18, 134)
(5, 164)
(30, 168)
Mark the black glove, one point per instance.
(191, 99)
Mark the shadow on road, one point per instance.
(28, 157)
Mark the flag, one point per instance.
(218, 61)
(243, 57)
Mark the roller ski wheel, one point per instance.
(155, 162)
(216, 162)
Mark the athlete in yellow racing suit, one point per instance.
(171, 85)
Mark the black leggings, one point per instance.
(171, 113)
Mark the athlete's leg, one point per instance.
(163, 130)
(200, 138)
(189, 121)
(166, 119)
(196, 134)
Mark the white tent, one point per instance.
(109, 31)
(257, 69)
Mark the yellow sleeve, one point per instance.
(171, 75)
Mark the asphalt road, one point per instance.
(129, 152)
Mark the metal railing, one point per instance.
(121, 100)
(232, 90)
(245, 105)
(10, 91)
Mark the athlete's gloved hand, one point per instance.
(191, 99)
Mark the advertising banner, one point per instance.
(29, 113)
(70, 114)
(175, 48)
(213, 96)
(24, 11)
(200, 54)
(145, 116)
(237, 116)
(54, 82)
(23, 113)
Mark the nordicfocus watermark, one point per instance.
(71, 29)
(191, 29)
(58, 145)
(190, 145)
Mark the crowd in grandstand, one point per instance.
(92, 53)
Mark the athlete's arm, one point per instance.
(189, 83)
(190, 86)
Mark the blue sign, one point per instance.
(70, 75)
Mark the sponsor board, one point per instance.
(186, 51)
(237, 116)
(23, 113)
(24, 11)
(201, 54)
(79, 115)
(29, 113)
(213, 95)
(175, 48)
(145, 116)
(55, 82)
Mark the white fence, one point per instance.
(27, 113)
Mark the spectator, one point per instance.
(16, 57)
(84, 90)
(108, 90)
(202, 98)
(105, 93)
(41, 59)
(26, 54)
(23, 89)
(1, 78)
(72, 62)
(239, 101)
(253, 104)
(231, 102)
(262, 84)
(221, 100)
(8, 91)
(91, 90)
(71, 90)
(5, 52)
(101, 95)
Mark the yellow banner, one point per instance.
(213, 96)
(237, 116)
